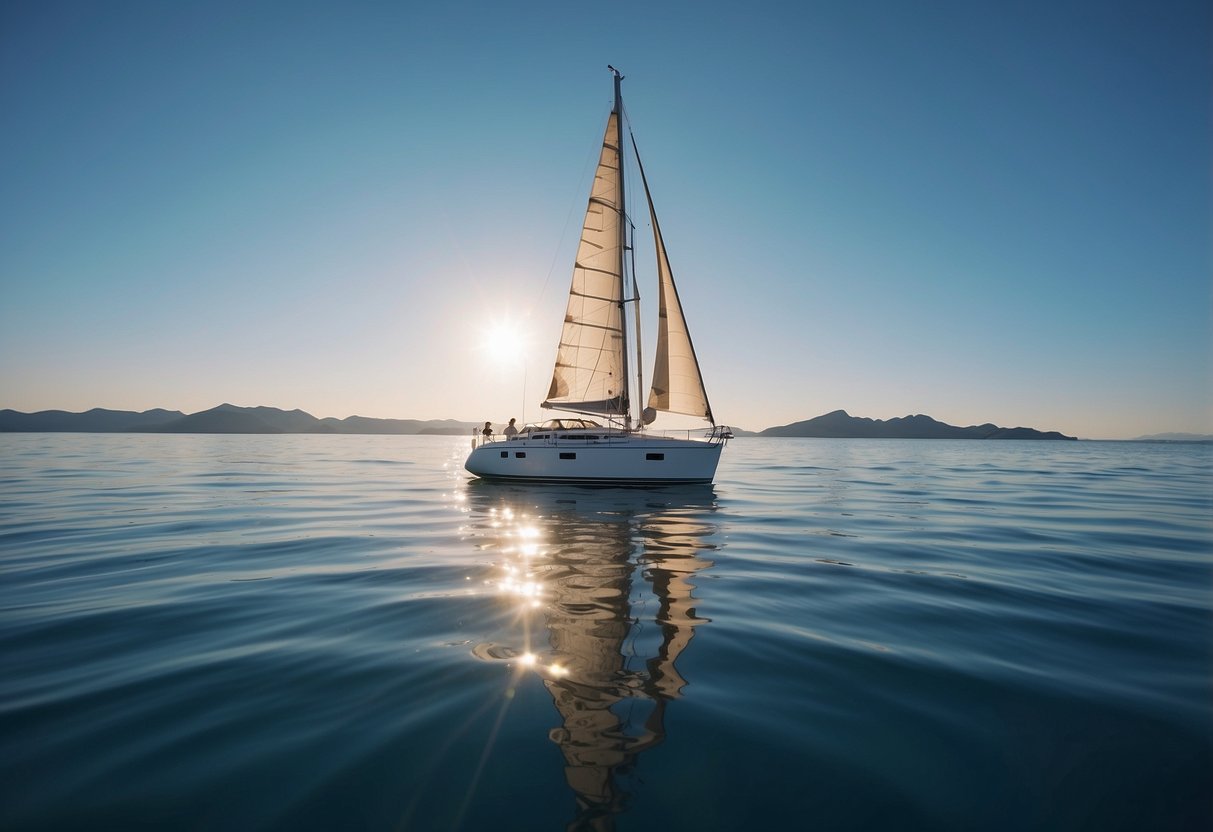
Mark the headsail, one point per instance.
(591, 365)
(677, 381)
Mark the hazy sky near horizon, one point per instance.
(985, 212)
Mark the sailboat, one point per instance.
(591, 376)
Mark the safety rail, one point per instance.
(719, 434)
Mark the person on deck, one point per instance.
(510, 431)
(487, 431)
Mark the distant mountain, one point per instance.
(226, 418)
(97, 420)
(841, 425)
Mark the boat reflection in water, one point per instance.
(603, 582)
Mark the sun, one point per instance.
(505, 342)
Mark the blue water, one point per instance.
(312, 632)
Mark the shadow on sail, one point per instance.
(603, 581)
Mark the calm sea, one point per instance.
(313, 632)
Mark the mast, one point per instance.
(623, 247)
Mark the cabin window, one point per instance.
(566, 455)
(657, 457)
(519, 454)
(504, 454)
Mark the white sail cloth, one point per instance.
(590, 361)
(677, 382)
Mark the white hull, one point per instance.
(619, 458)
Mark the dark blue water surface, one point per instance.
(313, 632)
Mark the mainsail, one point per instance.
(591, 365)
(677, 382)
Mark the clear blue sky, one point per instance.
(980, 211)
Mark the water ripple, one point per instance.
(344, 632)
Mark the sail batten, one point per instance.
(591, 297)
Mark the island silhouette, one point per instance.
(229, 418)
(839, 424)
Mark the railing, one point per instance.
(479, 439)
(714, 435)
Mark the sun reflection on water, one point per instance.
(599, 587)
